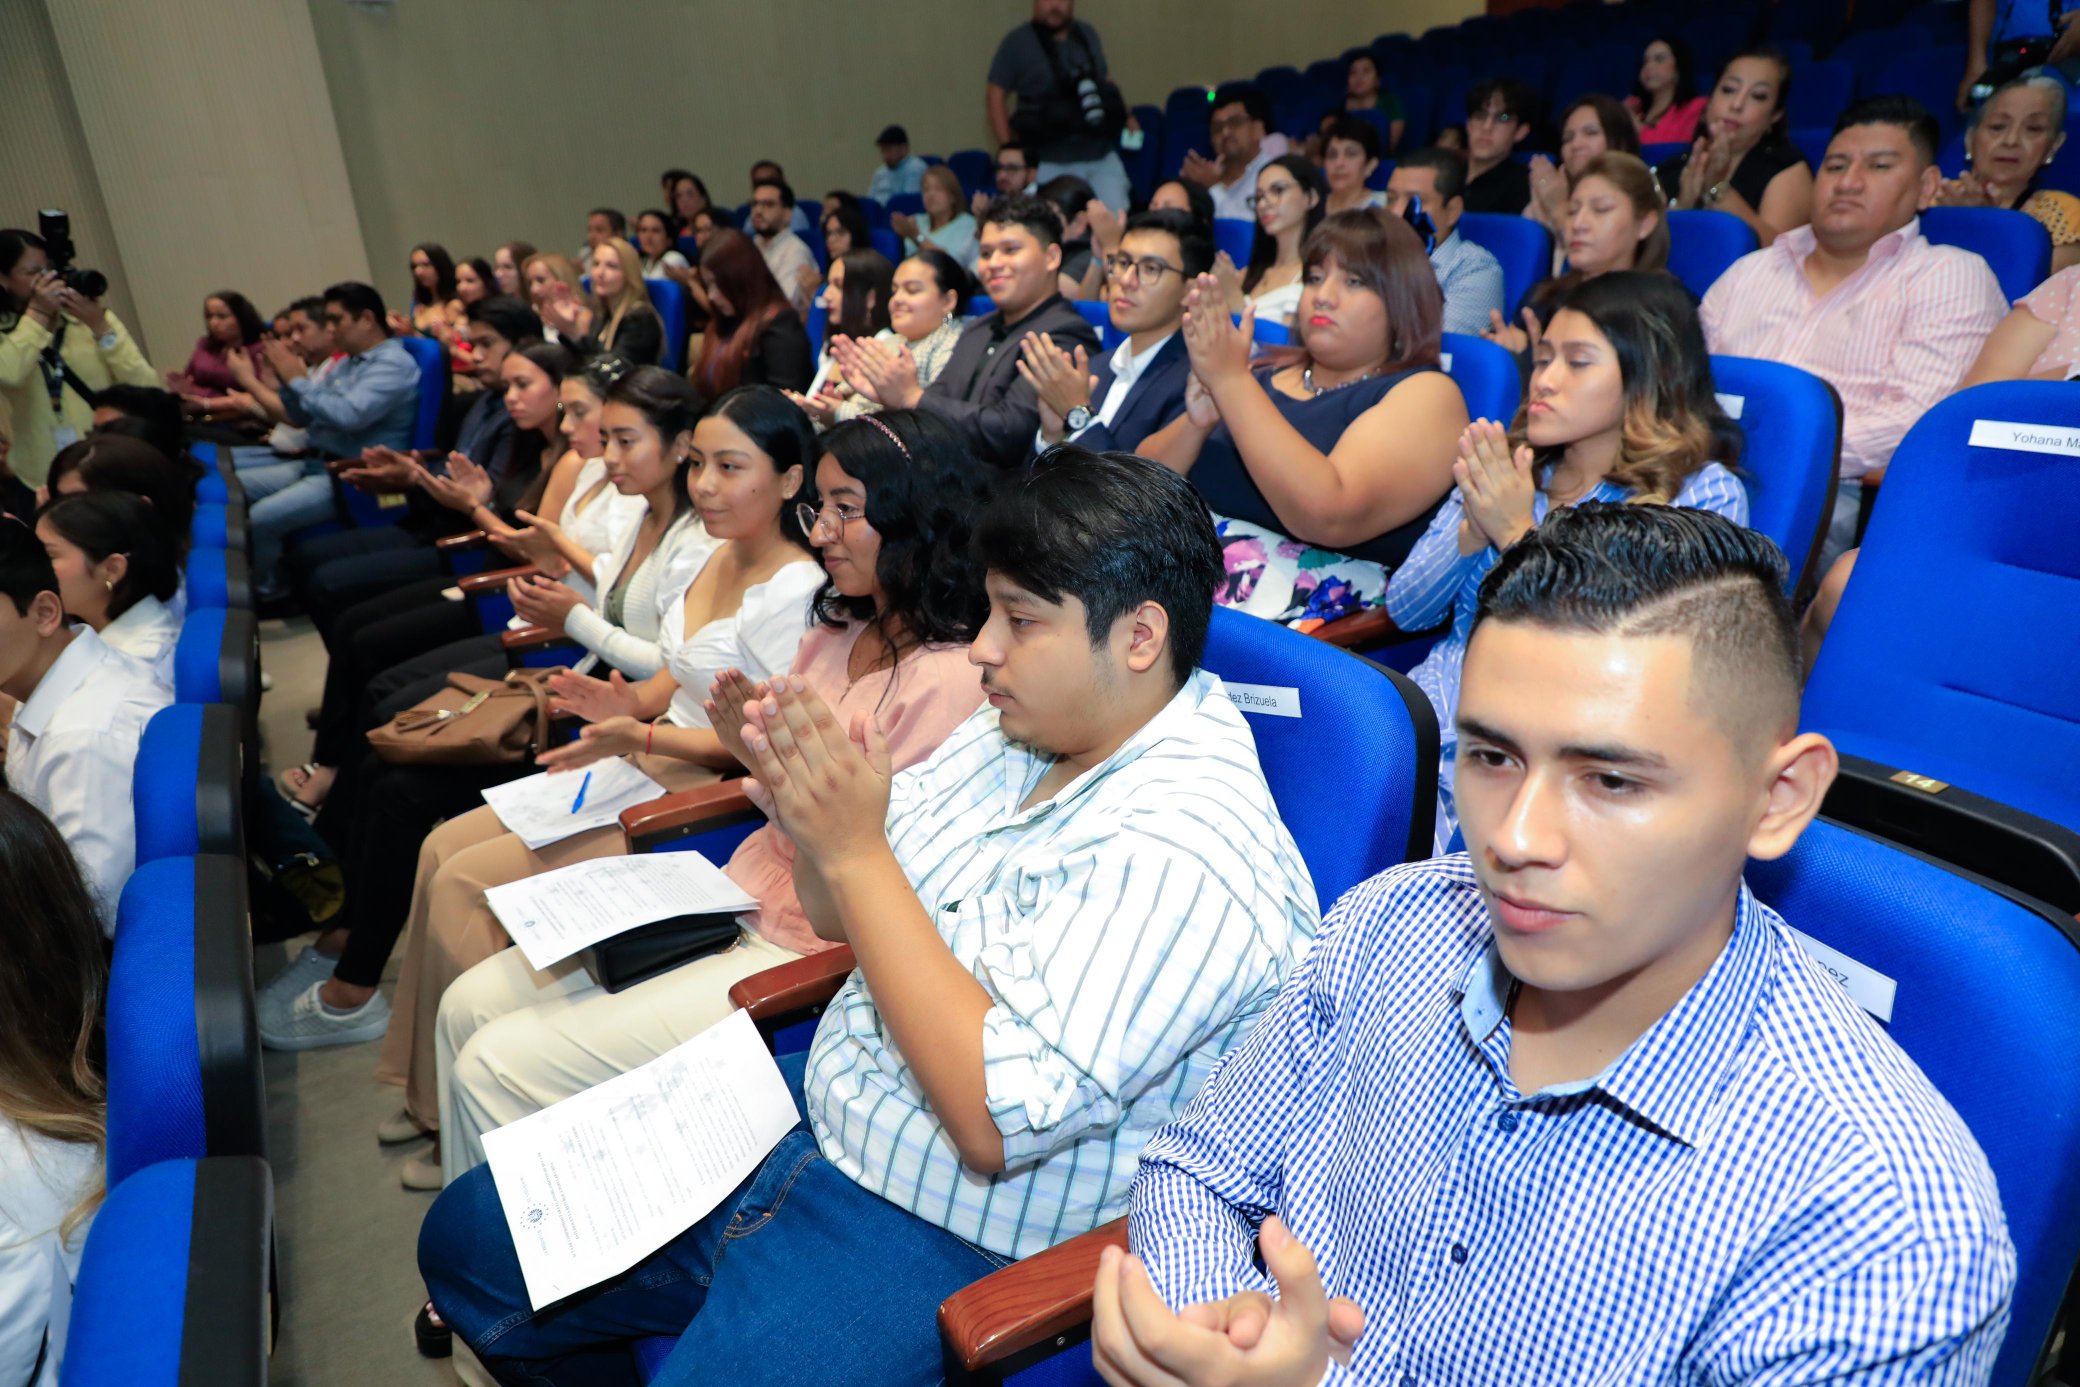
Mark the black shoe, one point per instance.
(435, 1338)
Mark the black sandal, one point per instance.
(436, 1340)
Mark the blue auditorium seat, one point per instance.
(668, 297)
(211, 485)
(888, 243)
(1984, 1005)
(1820, 91)
(1792, 426)
(976, 169)
(1486, 375)
(1383, 777)
(1961, 674)
(173, 1286)
(217, 526)
(184, 1076)
(911, 204)
(1702, 244)
(1929, 75)
(1099, 315)
(364, 509)
(1523, 246)
(1235, 236)
(2015, 245)
(218, 578)
(185, 790)
(217, 659)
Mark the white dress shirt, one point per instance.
(1127, 366)
(149, 631)
(1128, 929)
(40, 1181)
(71, 750)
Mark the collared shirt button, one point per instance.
(1458, 1254)
(1408, 1380)
(1506, 1120)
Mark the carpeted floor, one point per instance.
(346, 1229)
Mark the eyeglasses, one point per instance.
(812, 516)
(1223, 124)
(1275, 193)
(1145, 270)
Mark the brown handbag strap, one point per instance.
(536, 682)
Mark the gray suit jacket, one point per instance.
(981, 391)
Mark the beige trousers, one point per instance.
(450, 930)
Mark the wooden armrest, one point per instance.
(689, 811)
(527, 638)
(1047, 1297)
(801, 985)
(1359, 631)
(494, 580)
(462, 543)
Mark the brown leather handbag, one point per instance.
(473, 722)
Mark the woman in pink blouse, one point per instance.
(229, 325)
(888, 640)
(1664, 101)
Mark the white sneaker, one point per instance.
(308, 1024)
(307, 967)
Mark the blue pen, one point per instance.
(583, 786)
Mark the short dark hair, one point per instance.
(1254, 103)
(1195, 250)
(158, 412)
(1113, 531)
(1357, 130)
(1446, 164)
(772, 164)
(1652, 570)
(1069, 193)
(25, 569)
(923, 492)
(109, 461)
(1902, 111)
(356, 298)
(948, 272)
(310, 306)
(101, 523)
(774, 180)
(506, 316)
(1518, 98)
(1035, 214)
(615, 218)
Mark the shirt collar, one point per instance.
(1174, 719)
(147, 611)
(73, 667)
(1128, 364)
(1668, 1077)
(1799, 243)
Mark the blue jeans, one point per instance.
(302, 503)
(798, 1277)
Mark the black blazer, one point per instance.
(1153, 401)
(639, 340)
(981, 391)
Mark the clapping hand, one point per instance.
(1198, 405)
(383, 469)
(536, 543)
(1548, 191)
(1514, 339)
(287, 364)
(1247, 1340)
(466, 486)
(595, 700)
(728, 697)
(596, 742)
(883, 372)
(903, 224)
(1062, 381)
(821, 408)
(1199, 169)
(830, 784)
(1219, 348)
(1496, 486)
(542, 602)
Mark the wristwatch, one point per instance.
(107, 340)
(1078, 419)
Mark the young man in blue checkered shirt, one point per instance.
(1574, 1107)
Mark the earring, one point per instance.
(109, 583)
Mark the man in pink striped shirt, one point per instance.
(1860, 298)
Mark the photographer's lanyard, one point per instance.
(51, 361)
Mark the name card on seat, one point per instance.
(1273, 700)
(1732, 404)
(1866, 986)
(2026, 438)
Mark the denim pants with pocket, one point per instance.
(799, 1277)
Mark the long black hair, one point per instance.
(1263, 246)
(443, 274)
(107, 461)
(101, 523)
(531, 457)
(1685, 88)
(669, 404)
(250, 328)
(867, 271)
(923, 492)
(777, 427)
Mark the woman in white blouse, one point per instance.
(116, 572)
(744, 604)
(53, 1115)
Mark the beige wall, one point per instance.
(218, 157)
(472, 124)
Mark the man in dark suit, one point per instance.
(1138, 387)
(981, 391)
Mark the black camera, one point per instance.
(55, 228)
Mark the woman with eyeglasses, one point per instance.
(900, 599)
(1289, 205)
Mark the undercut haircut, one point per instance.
(25, 567)
(1449, 167)
(1902, 111)
(1035, 214)
(1604, 569)
(1113, 531)
(1195, 249)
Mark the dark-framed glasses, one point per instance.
(1146, 269)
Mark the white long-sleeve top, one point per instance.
(41, 1179)
(657, 583)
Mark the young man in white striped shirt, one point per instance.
(1062, 920)
(1574, 1107)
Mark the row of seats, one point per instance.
(175, 1284)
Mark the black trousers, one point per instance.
(334, 572)
(374, 636)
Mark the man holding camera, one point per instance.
(58, 346)
(1070, 113)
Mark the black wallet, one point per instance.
(647, 950)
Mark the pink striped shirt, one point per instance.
(1892, 339)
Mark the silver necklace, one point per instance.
(1307, 380)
